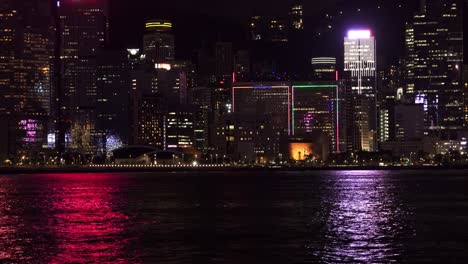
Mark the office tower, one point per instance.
(278, 30)
(150, 121)
(200, 98)
(434, 46)
(84, 30)
(261, 119)
(223, 61)
(316, 113)
(390, 87)
(179, 128)
(409, 122)
(360, 69)
(158, 41)
(324, 68)
(221, 108)
(258, 28)
(25, 51)
(465, 88)
(241, 66)
(296, 17)
(113, 84)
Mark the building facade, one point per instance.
(434, 47)
(360, 69)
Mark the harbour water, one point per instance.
(235, 217)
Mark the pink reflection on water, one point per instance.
(86, 225)
(9, 248)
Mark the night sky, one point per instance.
(207, 20)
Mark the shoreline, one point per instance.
(41, 170)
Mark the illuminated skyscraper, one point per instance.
(84, 31)
(158, 41)
(324, 68)
(316, 113)
(25, 51)
(113, 83)
(434, 45)
(296, 16)
(360, 68)
(261, 120)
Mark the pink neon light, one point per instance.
(337, 76)
(359, 34)
(233, 77)
(337, 118)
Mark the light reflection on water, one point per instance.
(365, 219)
(235, 217)
(84, 222)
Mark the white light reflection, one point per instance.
(365, 219)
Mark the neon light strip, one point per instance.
(315, 86)
(337, 119)
(292, 113)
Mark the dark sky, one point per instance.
(209, 20)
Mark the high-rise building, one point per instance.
(261, 120)
(278, 30)
(150, 121)
(224, 61)
(324, 68)
(113, 83)
(25, 51)
(221, 108)
(242, 66)
(84, 30)
(409, 122)
(258, 28)
(296, 16)
(434, 46)
(465, 88)
(179, 128)
(158, 41)
(200, 98)
(316, 113)
(360, 68)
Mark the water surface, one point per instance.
(235, 217)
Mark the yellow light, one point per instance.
(158, 25)
(300, 151)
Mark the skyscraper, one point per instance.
(224, 61)
(434, 46)
(25, 51)
(360, 68)
(315, 112)
(324, 68)
(158, 41)
(84, 30)
(261, 120)
(296, 16)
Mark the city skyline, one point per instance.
(249, 99)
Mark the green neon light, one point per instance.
(316, 86)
